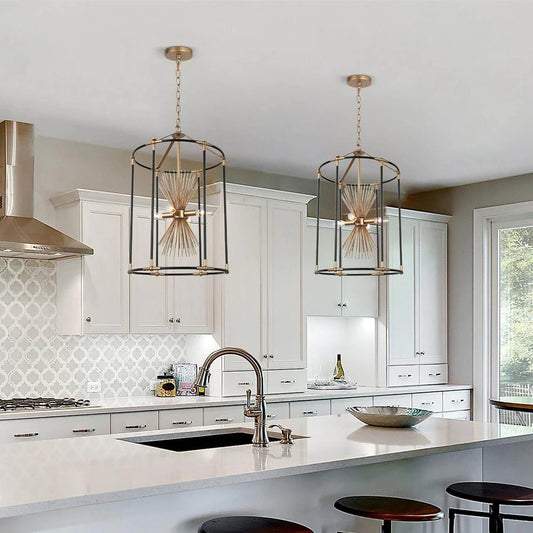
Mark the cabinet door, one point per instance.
(285, 309)
(359, 293)
(322, 295)
(193, 295)
(105, 275)
(432, 241)
(402, 294)
(151, 304)
(244, 286)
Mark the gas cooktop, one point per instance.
(41, 403)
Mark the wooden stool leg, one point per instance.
(387, 527)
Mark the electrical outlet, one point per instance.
(152, 385)
(94, 386)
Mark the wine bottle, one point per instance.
(338, 373)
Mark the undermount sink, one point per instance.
(202, 439)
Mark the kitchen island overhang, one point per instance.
(68, 474)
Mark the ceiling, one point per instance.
(451, 102)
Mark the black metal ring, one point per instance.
(207, 271)
(353, 156)
(193, 141)
(359, 271)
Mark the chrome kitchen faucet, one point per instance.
(256, 411)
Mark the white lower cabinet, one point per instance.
(181, 418)
(457, 415)
(339, 405)
(403, 375)
(433, 374)
(309, 408)
(227, 414)
(276, 411)
(394, 400)
(237, 383)
(134, 422)
(430, 401)
(458, 400)
(53, 428)
(285, 381)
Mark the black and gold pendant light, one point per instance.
(179, 196)
(362, 183)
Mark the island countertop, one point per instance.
(64, 473)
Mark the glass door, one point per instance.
(512, 314)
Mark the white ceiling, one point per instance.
(452, 100)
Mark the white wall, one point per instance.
(353, 338)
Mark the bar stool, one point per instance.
(389, 509)
(495, 494)
(251, 524)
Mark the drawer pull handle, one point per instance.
(136, 426)
(427, 403)
(223, 419)
(458, 401)
(86, 430)
(308, 413)
(183, 423)
(436, 374)
(271, 356)
(271, 416)
(288, 381)
(404, 375)
(25, 434)
(244, 383)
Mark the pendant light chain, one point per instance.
(178, 94)
(358, 147)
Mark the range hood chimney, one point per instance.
(21, 235)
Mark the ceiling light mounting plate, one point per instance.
(173, 52)
(359, 80)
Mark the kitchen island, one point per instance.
(107, 483)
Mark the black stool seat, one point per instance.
(251, 524)
(499, 493)
(389, 509)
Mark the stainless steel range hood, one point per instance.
(21, 235)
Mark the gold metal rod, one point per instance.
(162, 160)
(347, 170)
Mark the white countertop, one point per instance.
(64, 473)
(151, 403)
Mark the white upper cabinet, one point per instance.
(261, 297)
(417, 303)
(95, 294)
(285, 263)
(93, 291)
(432, 304)
(349, 296)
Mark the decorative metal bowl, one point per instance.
(390, 417)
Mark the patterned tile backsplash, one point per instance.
(35, 361)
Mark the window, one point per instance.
(503, 308)
(512, 322)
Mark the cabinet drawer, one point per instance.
(237, 383)
(223, 415)
(433, 374)
(338, 406)
(80, 426)
(180, 418)
(394, 400)
(456, 400)
(281, 381)
(132, 422)
(309, 408)
(25, 430)
(403, 375)
(431, 401)
(277, 411)
(457, 415)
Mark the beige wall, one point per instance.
(61, 166)
(461, 202)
